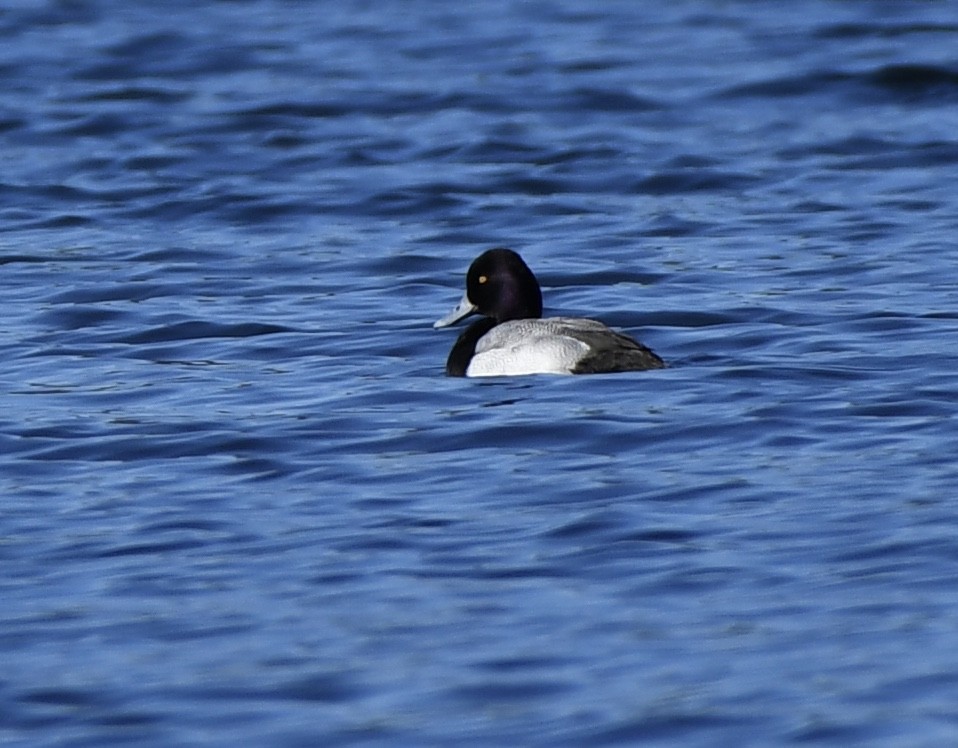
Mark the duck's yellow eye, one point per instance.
(483, 279)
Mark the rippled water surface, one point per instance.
(243, 506)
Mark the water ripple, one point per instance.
(243, 505)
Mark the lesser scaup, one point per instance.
(512, 339)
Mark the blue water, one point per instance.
(243, 506)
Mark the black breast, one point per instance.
(465, 347)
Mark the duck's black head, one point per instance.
(499, 285)
(502, 286)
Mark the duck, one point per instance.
(513, 339)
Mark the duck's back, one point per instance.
(610, 351)
(557, 345)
